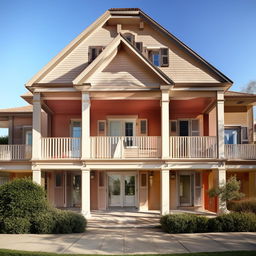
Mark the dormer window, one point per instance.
(159, 57)
(93, 52)
(130, 37)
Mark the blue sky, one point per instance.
(32, 32)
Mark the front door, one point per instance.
(185, 190)
(121, 190)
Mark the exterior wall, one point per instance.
(173, 192)
(18, 130)
(94, 191)
(212, 122)
(182, 68)
(154, 191)
(124, 71)
(61, 124)
(236, 118)
(18, 175)
(71, 66)
(145, 109)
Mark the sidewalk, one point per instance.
(130, 241)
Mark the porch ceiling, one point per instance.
(64, 106)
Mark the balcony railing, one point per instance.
(240, 151)
(187, 147)
(60, 148)
(15, 152)
(120, 147)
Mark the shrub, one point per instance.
(3, 140)
(22, 198)
(248, 205)
(15, 225)
(232, 222)
(24, 209)
(183, 223)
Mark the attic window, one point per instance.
(129, 37)
(159, 57)
(93, 52)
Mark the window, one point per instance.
(76, 129)
(159, 57)
(143, 127)
(232, 135)
(101, 127)
(139, 46)
(173, 127)
(28, 137)
(58, 180)
(93, 52)
(129, 37)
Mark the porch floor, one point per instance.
(132, 218)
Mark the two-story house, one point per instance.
(129, 116)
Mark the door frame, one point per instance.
(123, 121)
(122, 173)
(191, 174)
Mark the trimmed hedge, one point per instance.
(248, 205)
(189, 223)
(24, 209)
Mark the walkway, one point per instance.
(130, 241)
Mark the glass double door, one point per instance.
(121, 190)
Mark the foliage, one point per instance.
(188, 223)
(3, 140)
(248, 205)
(229, 191)
(24, 209)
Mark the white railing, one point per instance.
(193, 147)
(240, 151)
(60, 148)
(120, 147)
(15, 152)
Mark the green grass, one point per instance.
(4, 252)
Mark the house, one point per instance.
(129, 116)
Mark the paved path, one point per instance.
(130, 241)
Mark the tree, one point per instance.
(250, 87)
(229, 191)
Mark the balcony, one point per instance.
(240, 151)
(193, 147)
(15, 152)
(60, 148)
(120, 147)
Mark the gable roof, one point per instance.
(239, 94)
(112, 49)
(102, 20)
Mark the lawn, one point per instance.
(4, 252)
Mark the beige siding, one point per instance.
(212, 122)
(69, 68)
(124, 70)
(236, 118)
(182, 69)
(19, 123)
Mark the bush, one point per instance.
(248, 205)
(3, 140)
(186, 223)
(183, 223)
(15, 225)
(24, 209)
(22, 198)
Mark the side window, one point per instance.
(173, 127)
(58, 180)
(139, 46)
(76, 129)
(93, 52)
(102, 130)
(130, 37)
(159, 58)
(29, 137)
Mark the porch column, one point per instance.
(37, 175)
(165, 191)
(85, 192)
(220, 124)
(221, 181)
(165, 122)
(85, 140)
(36, 127)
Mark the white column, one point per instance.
(221, 181)
(36, 132)
(165, 191)
(220, 124)
(85, 192)
(165, 123)
(37, 175)
(85, 140)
